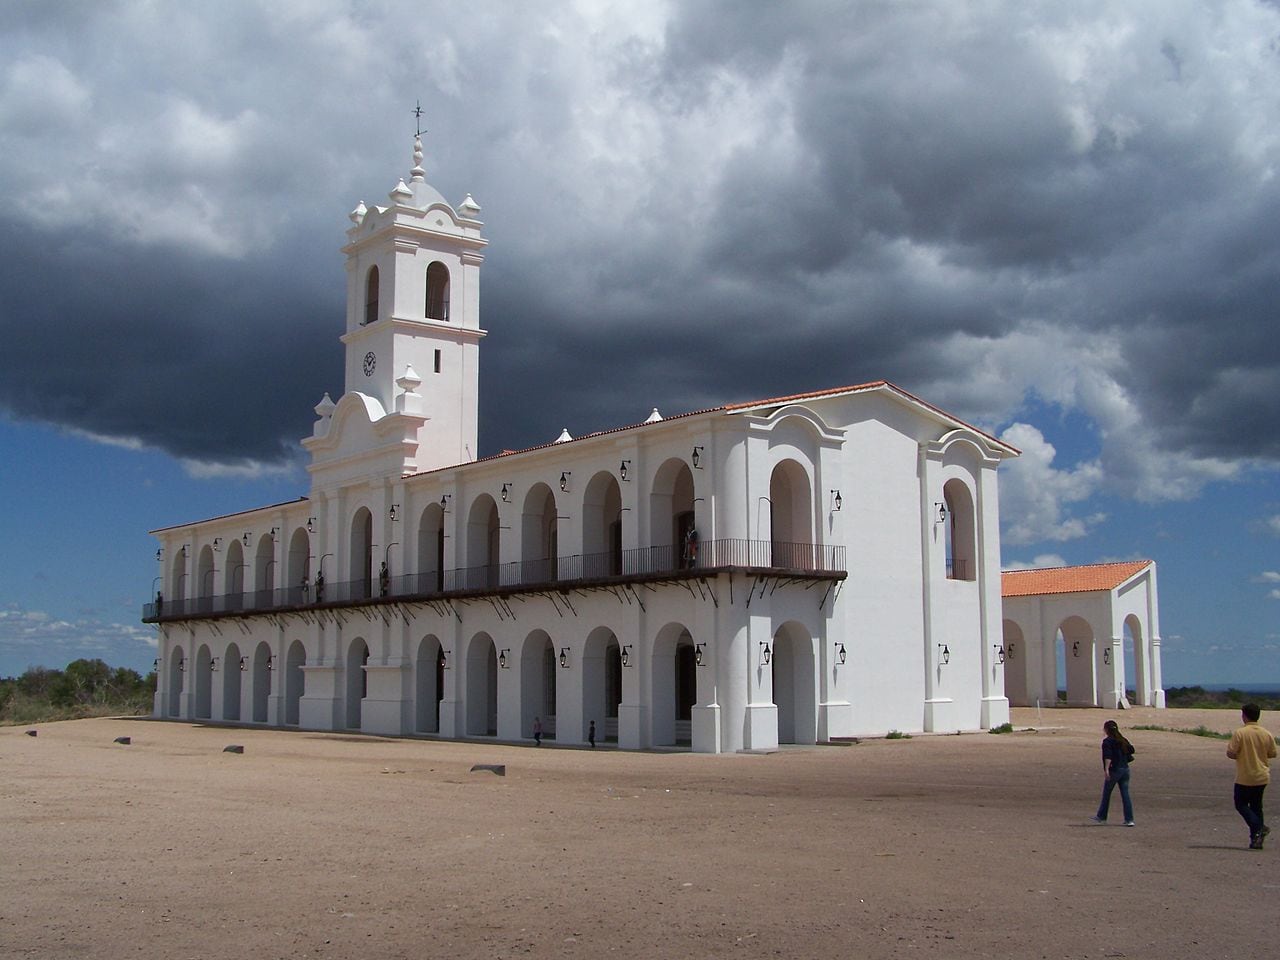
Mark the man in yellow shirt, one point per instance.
(1252, 748)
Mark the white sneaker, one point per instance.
(1130, 823)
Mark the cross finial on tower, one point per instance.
(417, 112)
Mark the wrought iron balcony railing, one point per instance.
(640, 563)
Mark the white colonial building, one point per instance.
(796, 569)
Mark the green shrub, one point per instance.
(897, 735)
(1003, 728)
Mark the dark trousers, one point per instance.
(1119, 778)
(1249, 806)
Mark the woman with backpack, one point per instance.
(1116, 754)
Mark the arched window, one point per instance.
(437, 291)
(371, 296)
(959, 530)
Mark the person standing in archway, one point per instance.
(537, 731)
(1253, 748)
(1116, 754)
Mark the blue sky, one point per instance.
(1055, 221)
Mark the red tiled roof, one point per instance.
(1084, 579)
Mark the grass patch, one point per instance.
(1003, 728)
(897, 735)
(1200, 731)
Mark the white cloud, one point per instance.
(1034, 495)
(1267, 576)
(235, 470)
(34, 638)
(1041, 561)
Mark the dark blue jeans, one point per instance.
(1119, 778)
(1249, 806)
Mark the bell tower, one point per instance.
(413, 317)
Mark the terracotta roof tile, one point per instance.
(1083, 579)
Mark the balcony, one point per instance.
(807, 561)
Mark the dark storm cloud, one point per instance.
(687, 206)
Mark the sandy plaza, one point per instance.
(330, 845)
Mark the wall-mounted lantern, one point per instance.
(940, 512)
(1075, 648)
(182, 664)
(623, 469)
(840, 654)
(311, 524)
(217, 544)
(697, 457)
(1009, 649)
(564, 658)
(506, 493)
(626, 654)
(247, 538)
(444, 659)
(697, 653)
(766, 652)
(1106, 656)
(394, 512)
(837, 501)
(271, 661)
(213, 665)
(502, 658)
(155, 664)
(944, 653)
(159, 553)
(444, 502)
(1000, 652)
(564, 481)
(244, 664)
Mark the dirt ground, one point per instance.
(332, 846)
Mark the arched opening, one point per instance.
(361, 574)
(675, 686)
(1015, 664)
(205, 573)
(264, 572)
(791, 517)
(428, 685)
(431, 550)
(601, 684)
(539, 536)
(672, 537)
(178, 575)
(1135, 663)
(483, 543)
(357, 681)
(177, 670)
(371, 296)
(960, 531)
(482, 687)
(298, 567)
(437, 291)
(261, 681)
(538, 684)
(602, 526)
(795, 684)
(295, 682)
(204, 683)
(233, 576)
(1074, 656)
(231, 678)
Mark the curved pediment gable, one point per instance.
(350, 426)
(802, 416)
(966, 442)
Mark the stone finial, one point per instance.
(410, 381)
(324, 409)
(401, 193)
(469, 208)
(417, 174)
(357, 215)
(564, 435)
(654, 417)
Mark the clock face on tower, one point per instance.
(370, 361)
